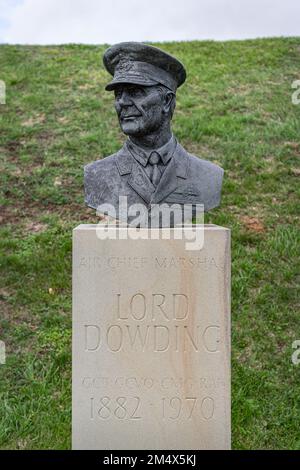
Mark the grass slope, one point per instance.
(236, 110)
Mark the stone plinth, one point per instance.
(151, 341)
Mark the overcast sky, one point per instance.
(110, 21)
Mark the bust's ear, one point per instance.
(168, 99)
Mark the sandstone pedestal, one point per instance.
(151, 341)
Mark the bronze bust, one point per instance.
(151, 168)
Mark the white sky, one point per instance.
(111, 21)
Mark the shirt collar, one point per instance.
(142, 156)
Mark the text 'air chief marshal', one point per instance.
(151, 169)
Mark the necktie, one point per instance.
(154, 160)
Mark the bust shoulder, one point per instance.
(100, 165)
(99, 177)
(207, 176)
(205, 166)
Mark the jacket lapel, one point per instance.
(167, 183)
(141, 184)
(176, 169)
(137, 180)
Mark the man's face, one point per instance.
(140, 109)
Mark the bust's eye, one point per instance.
(130, 92)
(135, 92)
(118, 93)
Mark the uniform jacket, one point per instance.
(186, 179)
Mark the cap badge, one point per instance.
(125, 65)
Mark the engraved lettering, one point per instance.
(130, 380)
(207, 407)
(176, 337)
(176, 405)
(158, 300)
(187, 334)
(114, 341)
(119, 408)
(161, 263)
(119, 309)
(140, 311)
(180, 306)
(211, 338)
(142, 340)
(161, 340)
(133, 416)
(191, 401)
(148, 382)
(92, 408)
(92, 337)
(104, 410)
(87, 382)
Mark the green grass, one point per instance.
(236, 110)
